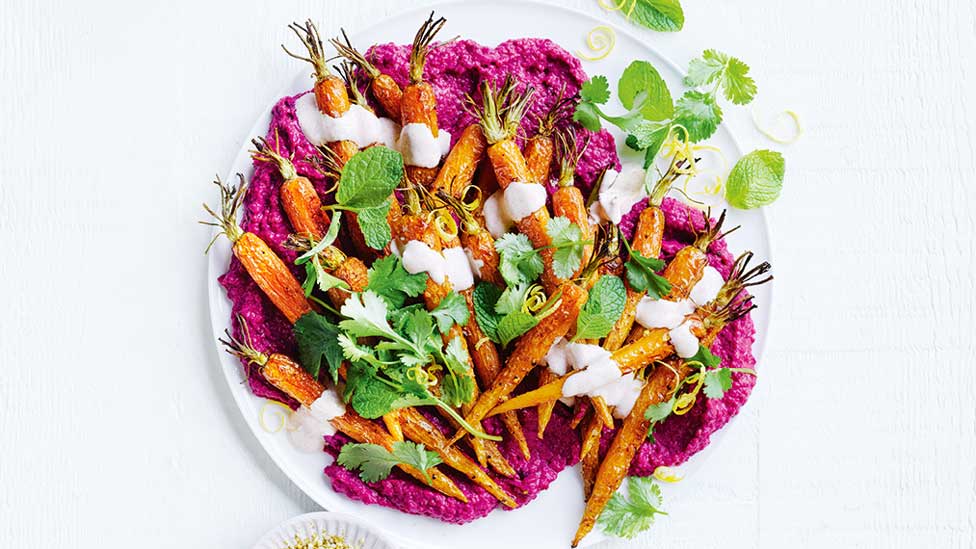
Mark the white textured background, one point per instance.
(116, 429)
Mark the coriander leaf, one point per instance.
(512, 299)
(627, 516)
(366, 316)
(485, 297)
(602, 309)
(756, 180)
(513, 325)
(316, 338)
(730, 73)
(316, 275)
(660, 411)
(659, 15)
(567, 240)
(369, 177)
(705, 69)
(705, 356)
(389, 280)
(375, 462)
(419, 329)
(641, 86)
(518, 261)
(456, 356)
(374, 225)
(457, 389)
(596, 90)
(737, 85)
(717, 382)
(642, 275)
(452, 309)
(588, 116)
(698, 114)
(355, 352)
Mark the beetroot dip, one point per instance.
(455, 71)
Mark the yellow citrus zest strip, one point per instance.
(613, 7)
(444, 224)
(668, 474)
(281, 415)
(797, 133)
(601, 41)
(535, 298)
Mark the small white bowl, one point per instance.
(356, 532)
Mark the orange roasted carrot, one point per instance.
(382, 86)
(419, 105)
(301, 203)
(267, 270)
(459, 166)
(290, 378)
(541, 147)
(590, 453)
(330, 91)
(568, 201)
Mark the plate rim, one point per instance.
(232, 375)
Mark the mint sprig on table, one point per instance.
(652, 115)
(375, 462)
(627, 516)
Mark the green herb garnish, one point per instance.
(518, 261)
(642, 274)
(568, 244)
(602, 309)
(627, 516)
(453, 309)
(756, 180)
(389, 280)
(375, 462)
(365, 187)
(317, 340)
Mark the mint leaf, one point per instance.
(631, 515)
(375, 462)
(698, 114)
(518, 261)
(389, 280)
(717, 382)
(369, 177)
(316, 338)
(375, 227)
(642, 275)
(602, 309)
(756, 180)
(514, 325)
(567, 239)
(659, 15)
(485, 297)
(595, 90)
(367, 394)
(452, 309)
(641, 81)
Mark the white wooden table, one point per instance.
(116, 429)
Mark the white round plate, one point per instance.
(551, 519)
(355, 531)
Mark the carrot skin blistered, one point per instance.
(538, 157)
(388, 94)
(304, 208)
(458, 169)
(508, 163)
(568, 202)
(332, 96)
(272, 276)
(684, 271)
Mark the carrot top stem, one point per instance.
(712, 232)
(559, 111)
(501, 110)
(346, 49)
(263, 152)
(421, 46)
(327, 163)
(348, 74)
(243, 348)
(742, 277)
(231, 198)
(331, 257)
(309, 36)
(570, 154)
(463, 209)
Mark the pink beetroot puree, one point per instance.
(455, 71)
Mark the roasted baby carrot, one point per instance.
(459, 166)
(687, 266)
(382, 86)
(331, 95)
(590, 454)
(419, 105)
(290, 378)
(541, 147)
(267, 270)
(301, 203)
(568, 201)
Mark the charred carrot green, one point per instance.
(267, 270)
(301, 203)
(419, 105)
(382, 86)
(290, 378)
(330, 91)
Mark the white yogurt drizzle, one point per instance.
(458, 269)
(661, 313)
(620, 192)
(420, 148)
(497, 220)
(308, 425)
(358, 125)
(685, 343)
(418, 257)
(598, 375)
(708, 287)
(523, 199)
(475, 264)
